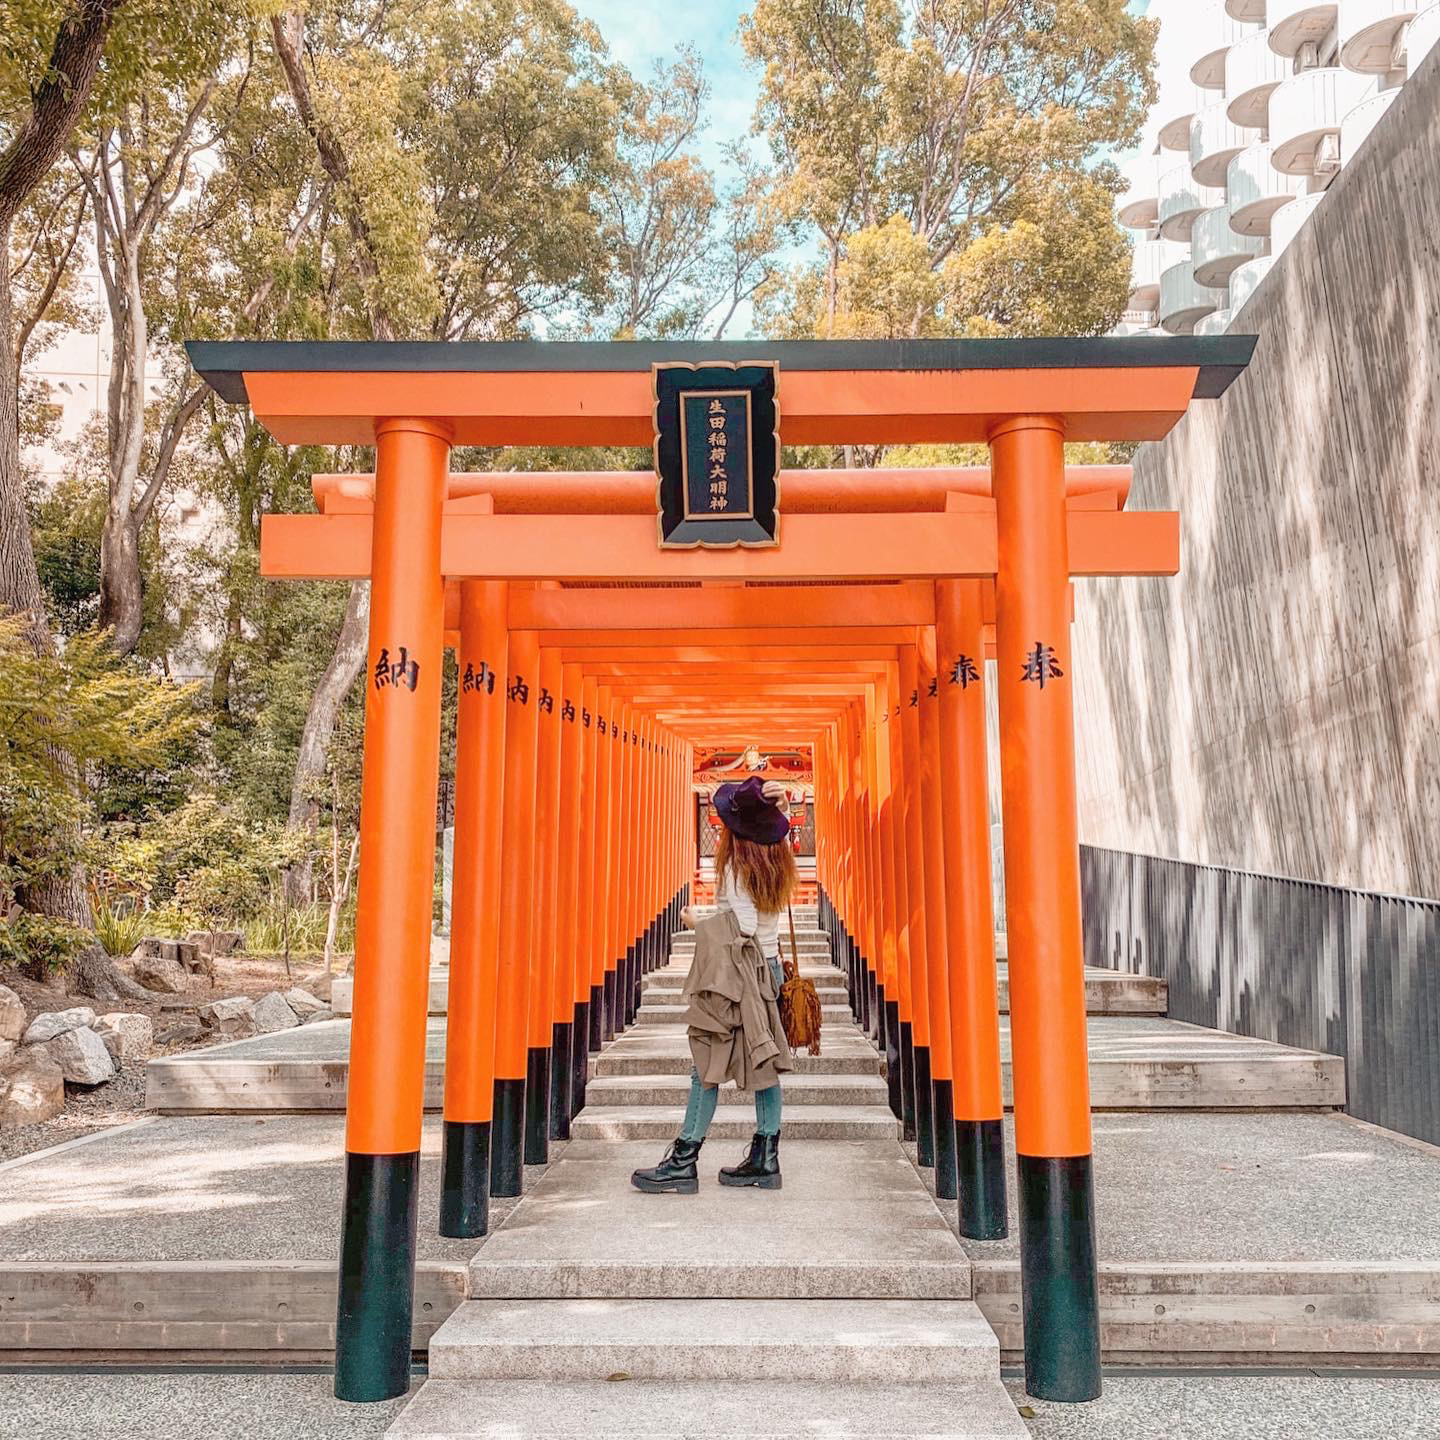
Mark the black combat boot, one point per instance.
(675, 1174)
(761, 1167)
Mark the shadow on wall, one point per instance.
(1276, 707)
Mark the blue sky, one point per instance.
(640, 32)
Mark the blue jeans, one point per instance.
(700, 1110)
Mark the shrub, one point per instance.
(39, 944)
(119, 924)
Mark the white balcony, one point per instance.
(1247, 10)
(1139, 207)
(1256, 190)
(1306, 109)
(1292, 23)
(1216, 323)
(1362, 120)
(1370, 32)
(1175, 110)
(1420, 38)
(1252, 71)
(1183, 302)
(1214, 141)
(1216, 250)
(1182, 198)
(1148, 262)
(1217, 31)
(1246, 280)
(1288, 222)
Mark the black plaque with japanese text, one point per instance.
(717, 454)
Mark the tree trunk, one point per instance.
(122, 596)
(340, 674)
(19, 579)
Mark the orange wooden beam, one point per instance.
(617, 548)
(819, 407)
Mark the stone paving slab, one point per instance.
(853, 1221)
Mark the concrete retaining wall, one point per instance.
(1276, 707)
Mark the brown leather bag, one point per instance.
(800, 1011)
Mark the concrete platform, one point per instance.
(201, 1234)
(840, 1341)
(1228, 1234)
(654, 1051)
(1136, 1062)
(854, 1221)
(521, 1410)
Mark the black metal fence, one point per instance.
(1348, 972)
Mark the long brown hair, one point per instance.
(766, 871)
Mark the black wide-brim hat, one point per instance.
(748, 814)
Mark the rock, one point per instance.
(57, 1022)
(82, 1056)
(321, 986)
(158, 972)
(315, 1016)
(7, 1049)
(127, 1036)
(12, 1014)
(149, 948)
(303, 1003)
(32, 1089)
(233, 1018)
(273, 1012)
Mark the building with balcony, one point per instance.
(1261, 104)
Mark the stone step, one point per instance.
(827, 980)
(736, 1122)
(659, 1410)
(1137, 1062)
(800, 1089)
(653, 1013)
(664, 1050)
(839, 1341)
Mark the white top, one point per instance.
(734, 897)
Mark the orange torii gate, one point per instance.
(584, 687)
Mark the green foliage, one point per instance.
(119, 925)
(39, 944)
(64, 721)
(265, 929)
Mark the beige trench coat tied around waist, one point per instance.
(733, 1015)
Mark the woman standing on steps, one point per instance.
(734, 988)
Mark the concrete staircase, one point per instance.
(838, 1306)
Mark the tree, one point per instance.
(950, 155)
(660, 207)
(82, 710)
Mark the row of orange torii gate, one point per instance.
(590, 661)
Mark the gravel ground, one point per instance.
(189, 1406)
(181, 1406)
(87, 1109)
(1243, 1407)
(177, 1029)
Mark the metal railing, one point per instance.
(1348, 972)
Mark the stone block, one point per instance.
(127, 1036)
(273, 1012)
(82, 1057)
(159, 972)
(225, 942)
(12, 1014)
(302, 1002)
(32, 1089)
(57, 1022)
(234, 1018)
